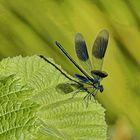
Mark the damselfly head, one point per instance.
(101, 88)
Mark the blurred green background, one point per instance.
(29, 27)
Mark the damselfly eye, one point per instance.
(101, 88)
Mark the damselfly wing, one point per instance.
(82, 52)
(98, 53)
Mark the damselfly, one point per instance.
(92, 74)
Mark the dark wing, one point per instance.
(99, 49)
(82, 53)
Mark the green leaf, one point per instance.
(60, 116)
(17, 111)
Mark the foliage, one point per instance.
(33, 107)
(32, 27)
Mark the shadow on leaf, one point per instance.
(66, 88)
